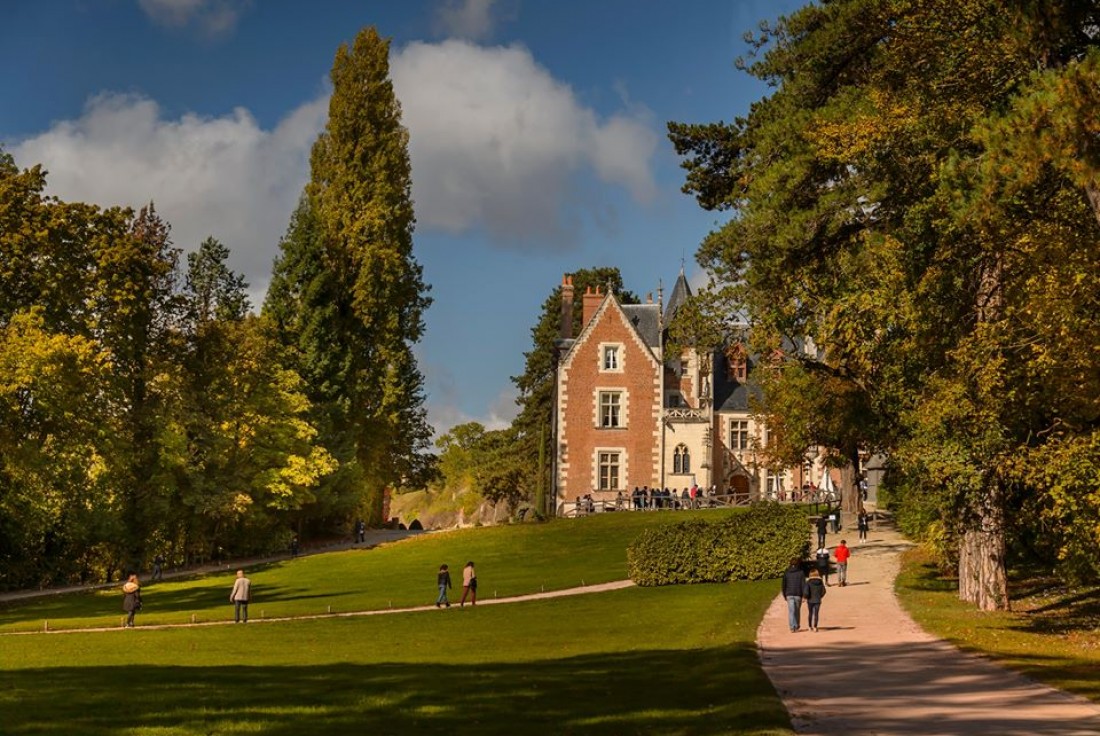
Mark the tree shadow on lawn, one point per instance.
(707, 691)
(176, 601)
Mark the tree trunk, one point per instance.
(850, 497)
(1093, 193)
(982, 577)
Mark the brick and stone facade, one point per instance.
(628, 416)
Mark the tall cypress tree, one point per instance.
(354, 323)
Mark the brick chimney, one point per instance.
(592, 299)
(566, 307)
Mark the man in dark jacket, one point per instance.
(822, 529)
(794, 588)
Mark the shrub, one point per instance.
(754, 545)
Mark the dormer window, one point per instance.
(737, 362)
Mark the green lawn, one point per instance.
(675, 660)
(1052, 635)
(511, 560)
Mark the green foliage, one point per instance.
(348, 295)
(141, 410)
(754, 545)
(919, 196)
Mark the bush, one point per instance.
(755, 545)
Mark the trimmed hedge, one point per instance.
(755, 545)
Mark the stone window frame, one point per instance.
(742, 432)
(620, 465)
(681, 460)
(622, 413)
(620, 357)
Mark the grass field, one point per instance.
(678, 660)
(511, 560)
(1052, 635)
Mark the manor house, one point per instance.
(628, 415)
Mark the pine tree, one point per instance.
(904, 197)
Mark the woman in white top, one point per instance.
(469, 584)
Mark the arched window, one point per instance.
(681, 460)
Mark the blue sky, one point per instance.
(537, 133)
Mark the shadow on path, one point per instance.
(871, 670)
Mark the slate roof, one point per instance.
(680, 293)
(729, 395)
(646, 320)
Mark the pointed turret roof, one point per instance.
(680, 293)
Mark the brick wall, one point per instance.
(579, 434)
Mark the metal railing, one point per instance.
(657, 503)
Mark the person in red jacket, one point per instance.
(842, 553)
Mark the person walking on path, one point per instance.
(131, 599)
(794, 590)
(815, 591)
(822, 529)
(879, 673)
(158, 567)
(240, 596)
(863, 523)
(842, 553)
(294, 546)
(443, 579)
(469, 584)
(821, 562)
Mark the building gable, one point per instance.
(598, 325)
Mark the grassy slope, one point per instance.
(647, 661)
(1053, 635)
(511, 560)
(677, 660)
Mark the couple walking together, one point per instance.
(469, 585)
(796, 587)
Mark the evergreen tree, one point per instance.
(894, 201)
(349, 295)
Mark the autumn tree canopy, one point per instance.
(917, 197)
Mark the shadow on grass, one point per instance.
(926, 576)
(166, 597)
(705, 691)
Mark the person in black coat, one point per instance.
(443, 581)
(815, 591)
(822, 529)
(794, 589)
(131, 599)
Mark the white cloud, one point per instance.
(470, 19)
(498, 143)
(221, 176)
(212, 18)
(444, 416)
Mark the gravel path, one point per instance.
(583, 590)
(870, 670)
